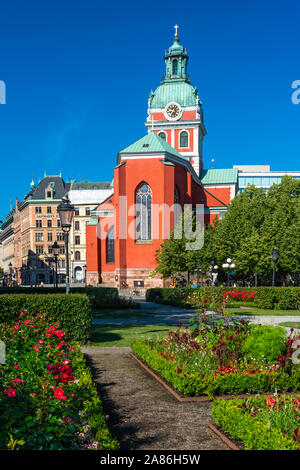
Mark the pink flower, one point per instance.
(10, 392)
(17, 381)
(16, 367)
(40, 341)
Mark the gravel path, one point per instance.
(142, 414)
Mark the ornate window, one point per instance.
(77, 255)
(162, 135)
(143, 200)
(175, 67)
(184, 139)
(110, 246)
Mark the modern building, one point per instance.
(153, 176)
(260, 176)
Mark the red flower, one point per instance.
(59, 393)
(10, 392)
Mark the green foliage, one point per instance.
(47, 398)
(278, 298)
(252, 423)
(72, 311)
(197, 384)
(254, 223)
(264, 344)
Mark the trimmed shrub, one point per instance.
(71, 311)
(221, 384)
(278, 298)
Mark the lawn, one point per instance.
(260, 311)
(290, 324)
(124, 335)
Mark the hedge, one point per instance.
(88, 290)
(278, 298)
(229, 384)
(71, 311)
(255, 434)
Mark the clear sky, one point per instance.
(78, 75)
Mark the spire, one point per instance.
(176, 60)
(32, 184)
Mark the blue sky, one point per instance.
(78, 75)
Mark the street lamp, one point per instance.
(65, 210)
(275, 256)
(10, 274)
(55, 250)
(228, 266)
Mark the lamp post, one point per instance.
(65, 210)
(275, 256)
(84, 267)
(228, 266)
(55, 249)
(10, 274)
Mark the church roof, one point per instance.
(219, 176)
(152, 143)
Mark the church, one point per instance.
(163, 169)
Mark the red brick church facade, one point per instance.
(162, 168)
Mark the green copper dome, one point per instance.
(175, 85)
(182, 93)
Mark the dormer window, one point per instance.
(49, 193)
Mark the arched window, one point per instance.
(162, 135)
(110, 246)
(184, 139)
(143, 198)
(175, 67)
(77, 255)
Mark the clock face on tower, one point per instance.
(173, 111)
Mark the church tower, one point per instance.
(174, 109)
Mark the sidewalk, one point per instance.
(142, 414)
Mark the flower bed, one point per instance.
(223, 359)
(261, 423)
(47, 398)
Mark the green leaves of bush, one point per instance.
(72, 311)
(265, 343)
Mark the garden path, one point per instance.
(142, 414)
(170, 315)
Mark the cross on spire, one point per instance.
(176, 28)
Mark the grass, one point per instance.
(124, 335)
(290, 324)
(260, 311)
